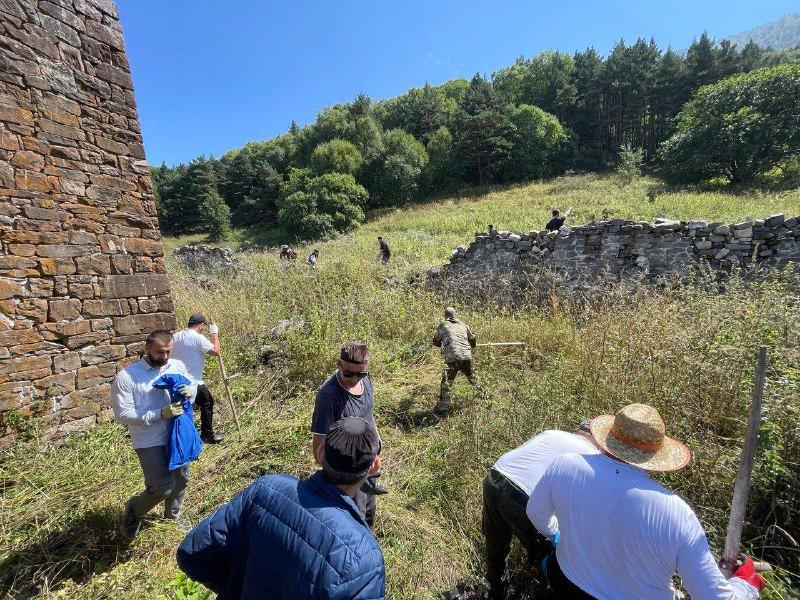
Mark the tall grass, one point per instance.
(689, 352)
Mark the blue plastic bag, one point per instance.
(185, 444)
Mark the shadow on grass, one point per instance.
(88, 545)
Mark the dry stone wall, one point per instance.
(625, 248)
(82, 276)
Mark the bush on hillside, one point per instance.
(441, 172)
(739, 128)
(536, 140)
(629, 163)
(336, 156)
(215, 215)
(323, 205)
(394, 177)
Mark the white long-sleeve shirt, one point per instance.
(137, 404)
(526, 464)
(623, 536)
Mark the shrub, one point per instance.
(325, 205)
(336, 156)
(738, 128)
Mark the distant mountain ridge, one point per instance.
(780, 34)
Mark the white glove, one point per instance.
(213, 329)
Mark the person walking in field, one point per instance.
(145, 411)
(456, 341)
(191, 348)
(348, 393)
(622, 535)
(555, 223)
(386, 252)
(506, 491)
(288, 539)
(313, 257)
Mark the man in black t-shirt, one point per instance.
(348, 393)
(557, 221)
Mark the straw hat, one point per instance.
(636, 436)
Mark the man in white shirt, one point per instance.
(191, 347)
(506, 490)
(622, 536)
(145, 411)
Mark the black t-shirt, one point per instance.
(385, 249)
(555, 223)
(334, 402)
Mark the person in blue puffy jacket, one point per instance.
(288, 539)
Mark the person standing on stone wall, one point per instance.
(558, 220)
(386, 252)
(348, 393)
(191, 347)
(145, 411)
(456, 341)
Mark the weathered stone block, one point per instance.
(140, 284)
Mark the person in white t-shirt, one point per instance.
(621, 535)
(191, 347)
(506, 490)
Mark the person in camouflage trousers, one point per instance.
(456, 341)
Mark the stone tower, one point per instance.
(82, 277)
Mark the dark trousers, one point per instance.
(503, 518)
(205, 402)
(365, 500)
(564, 589)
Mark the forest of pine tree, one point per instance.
(537, 118)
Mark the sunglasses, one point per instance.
(359, 374)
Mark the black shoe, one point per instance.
(378, 489)
(131, 524)
(211, 438)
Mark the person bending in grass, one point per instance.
(348, 393)
(506, 492)
(288, 539)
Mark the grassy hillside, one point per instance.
(690, 353)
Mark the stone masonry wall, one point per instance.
(631, 247)
(82, 278)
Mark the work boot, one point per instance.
(209, 437)
(131, 524)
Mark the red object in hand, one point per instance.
(748, 572)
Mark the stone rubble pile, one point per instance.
(625, 247)
(205, 258)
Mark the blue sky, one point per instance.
(211, 75)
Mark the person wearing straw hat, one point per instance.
(621, 535)
(506, 490)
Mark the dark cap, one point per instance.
(351, 446)
(196, 319)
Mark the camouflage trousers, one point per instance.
(448, 376)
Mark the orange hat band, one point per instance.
(635, 443)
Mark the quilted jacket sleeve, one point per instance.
(209, 552)
(367, 582)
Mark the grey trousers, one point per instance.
(160, 484)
